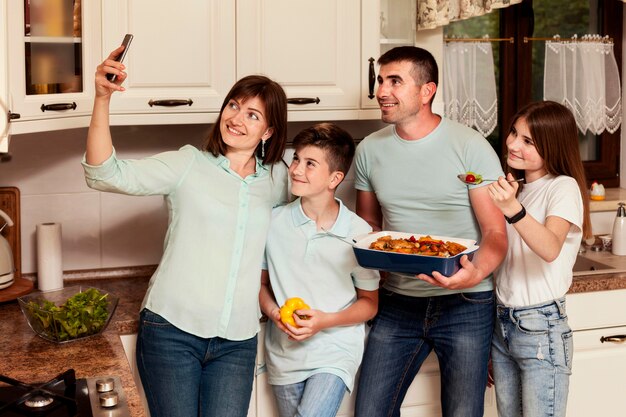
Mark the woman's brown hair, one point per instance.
(275, 100)
(553, 130)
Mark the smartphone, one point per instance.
(126, 42)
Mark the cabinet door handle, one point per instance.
(170, 103)
(13, 116)
(303, 100)
(372, 78)
(58, 106)
(618, 338)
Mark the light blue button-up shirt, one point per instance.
(323, 271)
(208, 280)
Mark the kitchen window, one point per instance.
(519, 65)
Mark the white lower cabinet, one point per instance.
(129, 342)
(599, 364)
(596, 386)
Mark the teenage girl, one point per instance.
(547, 218)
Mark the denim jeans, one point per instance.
(458, 327)
(187, 376)
(320, 395)
(531, 357)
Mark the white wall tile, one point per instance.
(79, 215)
(133, 229)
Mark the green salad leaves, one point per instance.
(84, 314)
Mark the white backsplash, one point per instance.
(104, 230)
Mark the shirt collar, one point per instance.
(341, 226)
(223, 162)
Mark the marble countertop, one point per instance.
(29, 358)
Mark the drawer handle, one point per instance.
(170, 103)
(372, 78)
(618, 338)
(303, 100)
(58, 106)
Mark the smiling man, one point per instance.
(406, 180)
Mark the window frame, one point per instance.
(516, 72)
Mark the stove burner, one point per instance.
(64, 396)
(58, 394)
(38, 401)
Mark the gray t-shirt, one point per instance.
(416, 184)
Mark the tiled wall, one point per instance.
(103, 230)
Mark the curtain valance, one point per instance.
(435, 13)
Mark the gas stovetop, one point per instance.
(65, 396)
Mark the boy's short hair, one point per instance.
(337, 144)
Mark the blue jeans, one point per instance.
(320, 395)
(188, 376)
(457, 326)
(531, 357)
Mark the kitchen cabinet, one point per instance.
(186, 55)
(181, 63)
(4, 91)
(310, 48)
(129, 342)
(54, 46)
(599, 363)
(385, 25)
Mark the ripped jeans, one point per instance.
(531, 354)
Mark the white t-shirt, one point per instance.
(524, 279)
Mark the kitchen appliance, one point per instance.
(7, 267)
(64, 395)
(619, 232)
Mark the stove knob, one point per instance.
(105, 385)
(109, 399)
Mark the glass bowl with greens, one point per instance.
(68, 314)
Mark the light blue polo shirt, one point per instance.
(416, 184)
(208, 280)
(323, 271)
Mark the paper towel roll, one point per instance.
(49, 257)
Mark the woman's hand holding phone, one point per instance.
(110, 73)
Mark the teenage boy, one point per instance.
(313, 364)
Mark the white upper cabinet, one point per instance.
(187, 54)
(312, 48)
(386, 24)
(181, 63)
(54, 46)
(4, 88)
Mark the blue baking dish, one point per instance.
(409, 263)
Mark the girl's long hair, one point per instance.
(555, 135)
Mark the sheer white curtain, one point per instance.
(469, 88)
(582, 74)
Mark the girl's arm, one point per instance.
(546, 239)
(362, 310)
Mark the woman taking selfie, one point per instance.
(197, 340)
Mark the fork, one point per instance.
(344, 240)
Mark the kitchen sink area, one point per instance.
(592, 262)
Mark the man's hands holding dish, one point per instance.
(466, 277)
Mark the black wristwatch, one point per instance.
(519, 216)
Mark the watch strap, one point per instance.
(517, 217)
